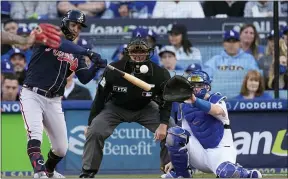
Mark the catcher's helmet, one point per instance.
(138, 50)
(197, 79)
(72, 16)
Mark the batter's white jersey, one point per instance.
(207, 160)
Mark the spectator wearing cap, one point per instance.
(182, 46)
(249, 41)
(119, 53)
(168, 58)
(89, 8)
(5, 10)
(193, 67)
(178, 9)
(18, 61)
(33, 10)
(232, 58)
(266, 61)
(9, 26)
(10, 88)
(6, 68)
(152, 40)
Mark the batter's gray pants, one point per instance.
(104, 124)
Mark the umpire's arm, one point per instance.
(103, 91)
(164, 106)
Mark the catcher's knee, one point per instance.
(177, 138)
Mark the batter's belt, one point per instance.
(41, 92)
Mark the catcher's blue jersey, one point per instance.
(206, 128)
(49, 68)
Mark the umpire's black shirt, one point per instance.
(113, 87)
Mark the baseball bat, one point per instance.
(132, 79)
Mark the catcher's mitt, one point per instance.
(177, 89)
(47, 34)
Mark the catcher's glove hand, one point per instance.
(177, 89)
(96, 59)
(47, 34)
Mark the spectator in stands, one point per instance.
(232, 58)
(178, 9)
(258, 9)
(128, 9)
(119, 53)
(285, 34)
(9, 26)
(179, 40)
(249, 41)
(5, 10)
(266, 61)
(168, 58)
(74, 91)
(152, 40)
(224, 8)
(253, 87)
(92, 9)
(283, 9)
(10, 88)
(33, 10)
(193, 67)
(18, 61)
(283, 74)
(6, 69)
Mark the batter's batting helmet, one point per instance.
(72, 16)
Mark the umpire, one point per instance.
(117, 101)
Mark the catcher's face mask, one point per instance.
(201, 83)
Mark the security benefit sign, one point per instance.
(130, 147)
(261, 139)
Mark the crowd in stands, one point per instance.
(141, 9)
(241, 50)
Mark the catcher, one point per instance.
(205, 139)
(118, 100)
(43, 88)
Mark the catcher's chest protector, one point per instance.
(206, 128)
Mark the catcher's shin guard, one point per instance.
(176, 143)
(36, 158)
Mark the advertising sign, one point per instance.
(14, 145)
(124, 149)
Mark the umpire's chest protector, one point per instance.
(206, 128)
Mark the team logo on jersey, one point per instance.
(61, 56)
(120, 89)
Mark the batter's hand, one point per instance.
(168, 167)
(160, 132)
(47, 34)
(96, 59)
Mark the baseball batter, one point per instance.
(43, 88)
(205, 139)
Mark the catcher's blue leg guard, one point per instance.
(231, 170)
(176, 142)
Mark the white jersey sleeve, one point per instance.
(224, 118)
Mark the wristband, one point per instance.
(202, 105)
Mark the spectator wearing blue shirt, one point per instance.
(253, 87)
(249, 41)
(6, 68)
(168, 58)
(232, 58)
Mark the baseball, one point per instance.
(144, 69)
